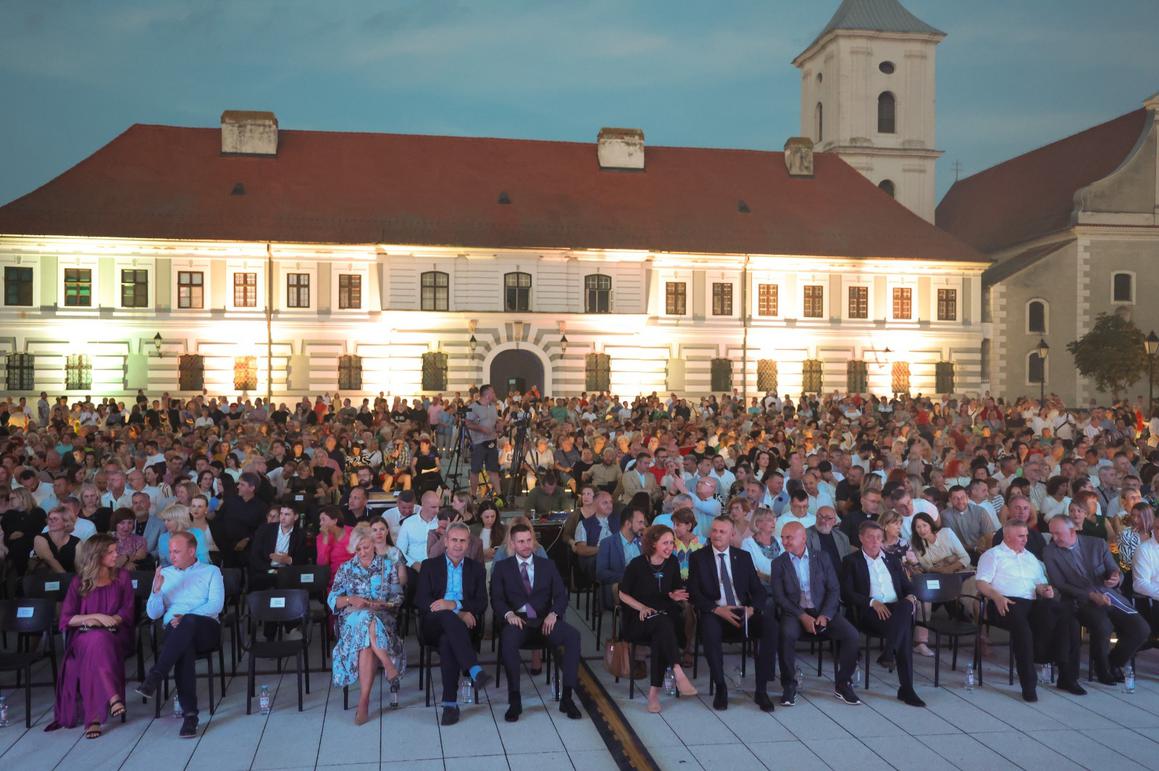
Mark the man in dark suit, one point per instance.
(276, 545)
(237, 520)
(880, 595)
(725, 589)
(617, 551)
(806, 591)
(1084, 572)
(451, 599)
(529, 594)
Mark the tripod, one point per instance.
(519, 439)
(459, 444)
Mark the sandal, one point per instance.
(116, 708)
(93, 731)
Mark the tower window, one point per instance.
(1123, 287)
(886, 67)
(886, 113)
(1036, 317)
(887, 186)
(819, 120)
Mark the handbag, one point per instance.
(617, 658)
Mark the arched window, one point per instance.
(887, 186)
(1035, 368)
(1123, 288)
(1036, 317)
(516, 292)
(819, 119)
(886, 112)
(435, 291)
(597, 293)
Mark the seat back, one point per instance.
(312, 578)
(231, 579)
(32, 615)
(279, 605)
(142, 581)
(937, 587)
(53, 586)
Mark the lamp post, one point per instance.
(1151, 346)
(1043, 352)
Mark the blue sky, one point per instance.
(1012, 74)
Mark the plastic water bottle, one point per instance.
(857, 674)
(1043, 675)
(800, 678)
(466, 691)
(264, 700)
(1128, 683)
(669, 682)
(971, 680)
(4, 707)
(177, 707)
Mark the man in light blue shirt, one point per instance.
(412, 534)
(188, 596)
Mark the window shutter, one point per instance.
(856, 377)
(811, 379)
(944, 377)
(767, 376)
(434, 371)
(350, 373)
(191, 372)
(900, 379)
(598, 372)
(722, 375)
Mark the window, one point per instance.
(947, 305)
(78, 372)
(17, 286)
(811, 380)
(767, 376)
(297, 290)
(349, 291)
(722, 375)
(350, 373)
(721, 299)
(435, 291)
(675, 298)
(597, 293)
(768, 301)
(985, 354)
(78, 287)
(190, 289)
(434, 371)
(887, 186)
(886, 68)
(1036, 317)
(516, 292)
(598, 372)
(900, 379)
(245, 373)
(1035, 368)
(814, 301)
(857, 377)
(819, 119)
(245, 290)
(903, 302)
(944, 377)
(886, 109)
(21, 371)
(858, 302)
(134, 288)
(1123, 287)
(191, 372)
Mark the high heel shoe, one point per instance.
(684, 686)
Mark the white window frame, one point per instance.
(1134, 287)
(246, 266)
(1045, 369)
(935, 285)
(204, 267)
(281, 302)
(912, 286)
(735, 284)
(1045, 317)
(357, 269)
(813, 279)
(136, 263)
(756, 297)
(688, 297)
(22, 262)
(846, 285)
(85, 263)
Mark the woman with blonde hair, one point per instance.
(97, 617)
(177, 519)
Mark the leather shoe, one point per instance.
(450, 715)
(720, 698)
(909, 697)
(764, 702)
(1105, 679)
(886, 660)
(568, 707)
(147, 688)
(1030, 695)
(1073, 687)
(482, 680)
(189, 727)
(514, 708)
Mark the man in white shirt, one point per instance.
(403, 508)
(798, 512)
(117, 496)
(1021, 600)
(724, 478)
(818, 496)
(412, 535)
(705, 505)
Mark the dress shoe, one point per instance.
(909, 697)
(789, 696)
(1072, 687)
(1029, 695)
(1105, 678)
(764, 702)
(886, 660)
(482, 680)
(450, 715)
(720, 698)
(189, 727)
(845, 693)
(1119, 675)
(147, 688)
(514, 708)
(568, 707)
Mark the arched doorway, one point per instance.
(516, 370)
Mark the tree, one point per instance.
(1112, 353)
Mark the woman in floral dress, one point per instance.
(364, 597)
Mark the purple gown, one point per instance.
(93, 668)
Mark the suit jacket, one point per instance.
(630, 485)
(1070, 582)
(855, 586)
(548, 593)
(265, 541)
(704, 586)
(823, 585)
(610, 561)
(813, 541)
(432, 585)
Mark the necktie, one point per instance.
(726, 583)
(527, 588)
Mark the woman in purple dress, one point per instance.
(97, 620)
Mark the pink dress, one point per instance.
(334, 553)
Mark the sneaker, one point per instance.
(789, 696)
(147, 688)
(845, 693)
(293, 634)
(923, 650)
(189, 727)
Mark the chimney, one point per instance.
(620, 148)
(249, 132)
(799, 156)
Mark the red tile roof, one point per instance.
(353, 188)
(1033, 195)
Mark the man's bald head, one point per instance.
(793, 538)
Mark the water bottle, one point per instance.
(669, 682)
(466, 691)
(800, 678)
(1043, 675)
(1128, 685)
(971, 681)
(856, 674)
(264, 700)
(4, 707)
(177, 707)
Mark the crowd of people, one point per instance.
(772, 521)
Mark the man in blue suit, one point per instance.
(528, 593)
(806, 591)
(616, 552)
(451, 599)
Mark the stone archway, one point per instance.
(516, 369)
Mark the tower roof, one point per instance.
(875, 16)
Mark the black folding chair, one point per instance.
(278, 606)
(534, 641)
(946, 589)
(50, 586)
(732, 636)
(231, 615)
(427, 655)
(158, 632)
(142, 581)
(313, 579)
(30, 619)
